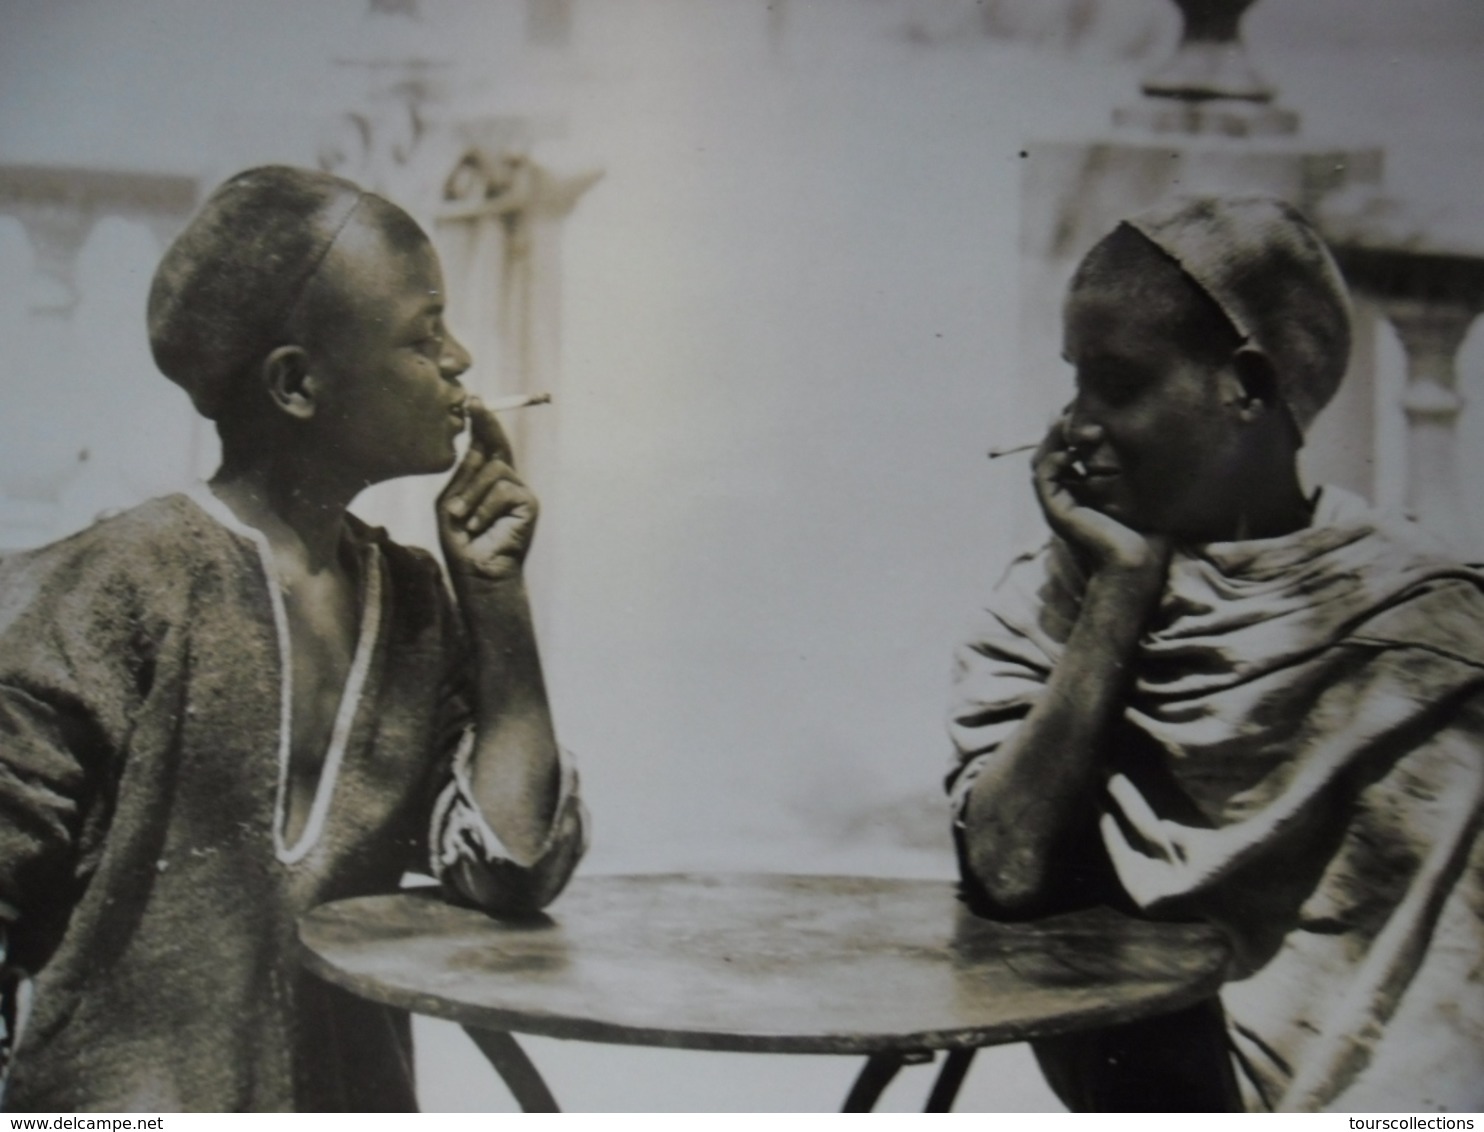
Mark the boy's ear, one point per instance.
(291, 386)
(1259, 381)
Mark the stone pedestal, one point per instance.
(1209, 86)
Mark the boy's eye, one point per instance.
(1114, 383)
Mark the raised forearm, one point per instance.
(1044, 776)
(514, 776)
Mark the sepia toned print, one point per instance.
(786, 269)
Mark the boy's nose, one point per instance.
(1078, 430)
(455, 359)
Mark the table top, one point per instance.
(762, 963)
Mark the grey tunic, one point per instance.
(142, 712)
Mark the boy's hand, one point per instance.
(1103, 543)
(486, 515)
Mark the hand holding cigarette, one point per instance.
(487, 515)
(1074, 469)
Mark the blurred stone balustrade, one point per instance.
(58, 207)
(1426, 274)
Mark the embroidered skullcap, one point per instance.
(222, 295)
(1269, 271)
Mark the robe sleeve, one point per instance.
(465, 855)
(76, 661)
(1002, 667)
(470, 860)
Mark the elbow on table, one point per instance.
(510, 890)
(1010, 884)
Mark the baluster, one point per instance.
(1431, 332)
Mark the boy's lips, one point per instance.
(1082, 471)
(1096, 481)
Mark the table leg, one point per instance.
(877, 1073)
(515, 1069)
(950, 1078)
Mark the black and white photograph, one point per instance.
(741, 556)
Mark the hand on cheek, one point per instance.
(1100, 540)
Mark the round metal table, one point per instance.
(894, 969)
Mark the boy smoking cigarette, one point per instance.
(223, 708)
(1214, 694)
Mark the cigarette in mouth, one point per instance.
(519, 401)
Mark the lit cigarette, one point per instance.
(520, 401)
(1076, 470)
(996, 453)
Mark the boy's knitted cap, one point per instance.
(1268, 269)
(222, 295)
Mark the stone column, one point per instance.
(1431, 332)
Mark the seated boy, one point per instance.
(221, 709)
(1213, 695)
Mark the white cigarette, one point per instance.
(519, 401)
(996, 453)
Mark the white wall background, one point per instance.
(790, 320)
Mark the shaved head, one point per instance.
(229, 288)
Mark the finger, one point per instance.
(1067, 515)
(1049, 459)
(476, 485)
(1055, 438)
(485, 434)
(505, 497)
(1051, 474)
(451, 498)
(495, 477)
